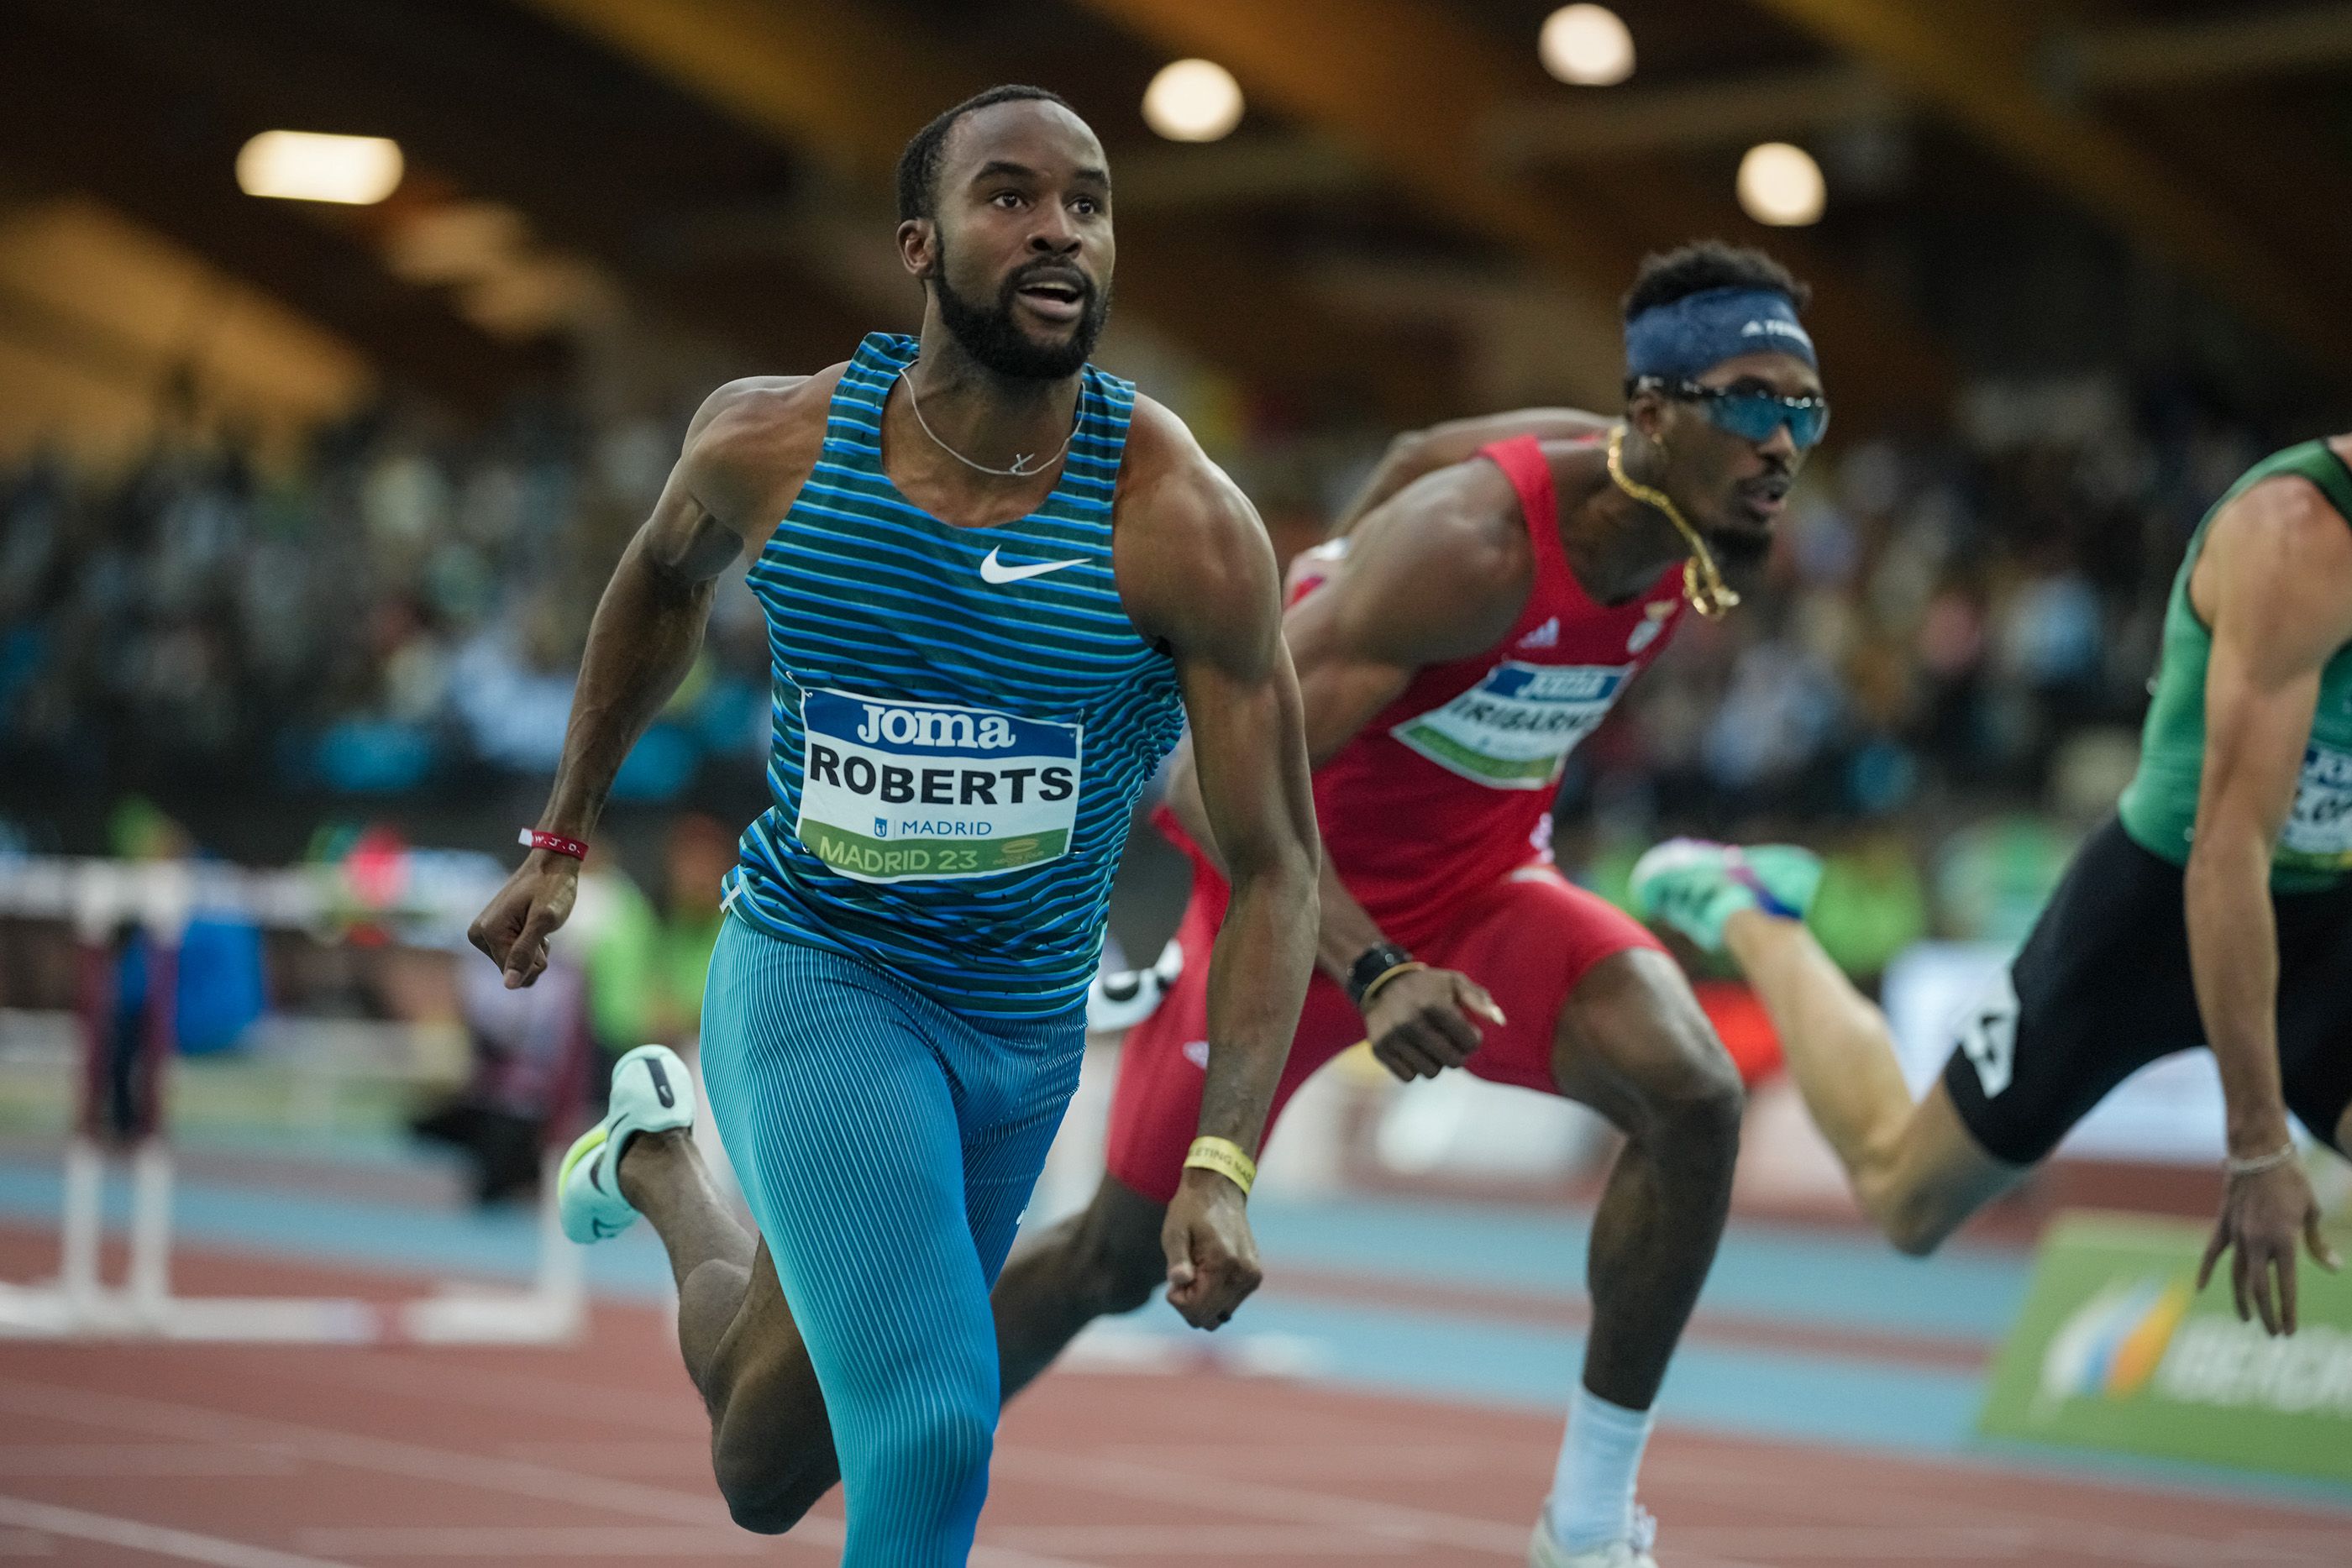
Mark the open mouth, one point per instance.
(1764, 500)
(1058, 296)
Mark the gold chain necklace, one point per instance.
(1024, 464)
(1703, 585)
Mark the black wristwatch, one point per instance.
(1376, 960)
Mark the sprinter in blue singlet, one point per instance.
(997, 583)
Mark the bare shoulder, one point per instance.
(1180, 511)
(753, 442)
(1453, 540)
(1168, 485)
(1438, 571)
(2277, 563)
(2286, 528)
(1194, 561)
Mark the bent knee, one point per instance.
(1121, 1281)
(947, 1445)
(1691, 1089)
(1916, 1216)
(765, 1495)
(1635, 1036)
(1110, 1254)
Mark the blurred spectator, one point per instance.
(525, 1044)
(216, 969)
(646, 964)
(403, 612)
(1872, 902)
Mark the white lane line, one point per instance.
(1201, 1542)
(1864, 1542)
(420, 1461)
(1907, 1504)
(184, 1544)
(1391, 1523)
(428, 1377)
(534, 1541)
(117, 1461)
(665, 1459)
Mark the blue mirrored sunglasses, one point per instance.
(1753, 413)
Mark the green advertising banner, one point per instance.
(2115, 1350)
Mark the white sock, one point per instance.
(1593, 1489)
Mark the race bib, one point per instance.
(1513, 729)
(2318, 831)
(897, 792)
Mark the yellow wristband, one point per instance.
(1224, 1156)
(1383, 978)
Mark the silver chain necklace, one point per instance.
(1024, 464)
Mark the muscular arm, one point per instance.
(2274, 583)
(1420, 452)
(647, 628)
(1430, 579)
(1198, 573)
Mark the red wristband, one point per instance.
(556, 843)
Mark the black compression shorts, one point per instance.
(2102, 989)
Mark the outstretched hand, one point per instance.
(514, 926)
(1426, 1021)
(2263, 1215)
(1211, 1256)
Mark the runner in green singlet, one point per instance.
(2214, 910)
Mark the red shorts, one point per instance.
(1529, 939)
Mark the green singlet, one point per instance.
(2159, 806)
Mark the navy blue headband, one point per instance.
(1684, 337)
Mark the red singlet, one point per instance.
(1437, 816)
(1450, 786)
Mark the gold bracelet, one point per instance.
(1224, 1156)
(1383, 978)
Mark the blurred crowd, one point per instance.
(401, 612)
(1940, 682)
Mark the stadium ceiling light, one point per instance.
(311, 166)
(1193, 101)
(1781, 185)
(1586, 45)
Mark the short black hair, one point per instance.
(1709, 264)
(918, 166)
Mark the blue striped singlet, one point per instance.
(955, 760)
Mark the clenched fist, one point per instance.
(514, 926)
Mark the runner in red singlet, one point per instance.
(1471, 628)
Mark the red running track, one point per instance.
(249, 1458)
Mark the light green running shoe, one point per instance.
(1694, 885)
(652, 1092)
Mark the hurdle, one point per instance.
(121, 1117)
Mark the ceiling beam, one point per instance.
(604, 166)
(2101, 61)
(1975, 61)
(832, 79)
(1238, 171)
(101, 126)
(2139, 56)
(840, 84)
(1713, 113)
(1401, 84)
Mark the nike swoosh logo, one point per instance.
(995, 570)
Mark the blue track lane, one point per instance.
(1773, 1273)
